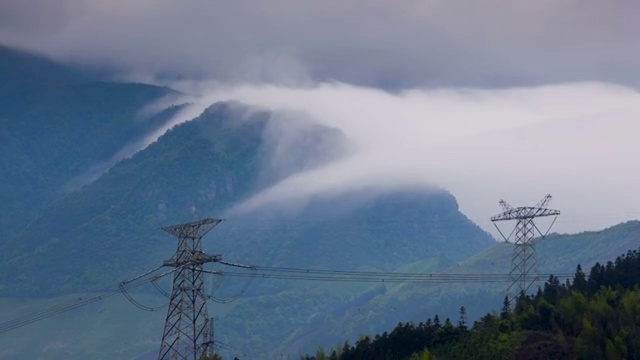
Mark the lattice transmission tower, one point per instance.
(188, 330)
(524, 267)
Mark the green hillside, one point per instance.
(56, 125)
(310, 313)
(557, 254)
(61, 241)
(108, 230)
(592, 316)
(63, 237)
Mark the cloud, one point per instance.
(576, 141)
(378, 43)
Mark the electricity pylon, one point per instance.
(524, 267)
(187, 330)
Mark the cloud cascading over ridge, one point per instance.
(562, 116)
(576, 141)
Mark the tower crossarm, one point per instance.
(525, 212)
(196, 258)
(505, 205)
(192, 230)
(545, 201)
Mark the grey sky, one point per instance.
(381, 43)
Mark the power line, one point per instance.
(267, 227)
(153, 280)
(289, 273)
(232, 298)
(66, 306)
(382, 273)
(279, 273)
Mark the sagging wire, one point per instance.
(63, 307)
(237, 295)
(154, 282)
(132, 300)
(242, 290)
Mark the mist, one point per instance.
(577, 141)
(483, 99)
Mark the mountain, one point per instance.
(61, 237)
(590, 316)
(78, 219)
(56, 126)
(557, 254)
(243, 327)
(107, 230)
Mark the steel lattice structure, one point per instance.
(524, 267)
(187, 331)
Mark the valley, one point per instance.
(81, 212)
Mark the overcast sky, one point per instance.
(394, 44)
(490, 99)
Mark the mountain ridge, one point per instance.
(57, 243)
(56, 124)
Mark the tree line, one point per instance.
(594, 316)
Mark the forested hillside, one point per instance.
(60, 126)
(56, 126)
(64, 236)
(594, 316)
(108, 230)
(557, 254)
(76, 222)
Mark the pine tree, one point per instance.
(580, 281)
(462, 322)
(506, 308)
(436, 322)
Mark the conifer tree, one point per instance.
(462, 322)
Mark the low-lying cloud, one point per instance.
(576, 141)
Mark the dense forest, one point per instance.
(592, 317)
